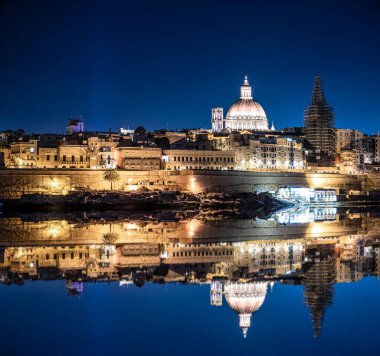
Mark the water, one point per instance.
(304, 282)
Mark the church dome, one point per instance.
(245, 299)
(246, 113)
(246, 108)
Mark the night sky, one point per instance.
(167, 63)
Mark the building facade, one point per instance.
(198, 159)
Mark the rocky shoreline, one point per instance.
(186, 204)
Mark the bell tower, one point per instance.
(217, 119)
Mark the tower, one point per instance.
(216, 293)
(217, 119)
(319, 279)
(319, 128)
(74, 125)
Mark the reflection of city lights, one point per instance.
(317, 228)
(192, 227)
(131, 226)
(194, 186)
(54, 231)
(317, 181)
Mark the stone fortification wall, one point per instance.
(14, 182)
(239, 181)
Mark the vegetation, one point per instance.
(111, 176)
(110, 238)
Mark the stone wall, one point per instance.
(14, 182)
(239, 181)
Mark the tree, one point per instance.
(111, 176)
(110, 238)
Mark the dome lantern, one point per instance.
(245, 90)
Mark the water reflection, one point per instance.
(239, 259)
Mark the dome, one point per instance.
(245, 299)
(246, 108)
(246, 113)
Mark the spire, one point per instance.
(244, 332)
(245, 90)
(318, 94)
(272, 127)
(317, 318)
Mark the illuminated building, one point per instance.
(24, 154)
(75, 126)
(350, 161)
(274, 153)
(244, 114)
(198, 159)
(72, 156)
(138, 158)
(347, 139)
(5, 156)
(101, 151)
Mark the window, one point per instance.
(48, 157)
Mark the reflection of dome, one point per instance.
(245, 299)
(246, 113)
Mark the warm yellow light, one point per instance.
(132, 187)
(54, 231)
(192, 227)
(194, 186)
(131, 226)
(54, 183)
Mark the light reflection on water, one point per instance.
(301, 282)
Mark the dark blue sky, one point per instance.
(154, 63)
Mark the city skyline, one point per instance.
(105, 63)
(190, 177)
